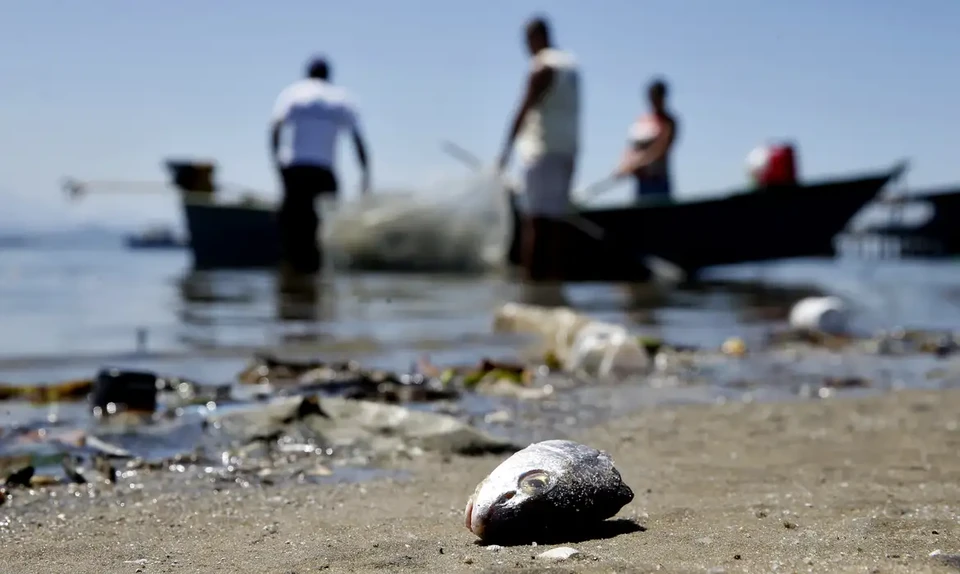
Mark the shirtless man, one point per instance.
(546, 129)
(647, 157)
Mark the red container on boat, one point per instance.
(781, 166)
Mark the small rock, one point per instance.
(468, 560)
(41, 480)
(319, 470)
(559, 554)
(494, 548)
(498, 417)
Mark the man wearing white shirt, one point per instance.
(308, 116)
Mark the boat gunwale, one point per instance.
(883, 177)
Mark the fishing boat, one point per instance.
(775, 222)
(224, 234)
(155, 237)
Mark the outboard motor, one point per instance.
(773, 165)
(193, 177)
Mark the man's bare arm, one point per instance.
(537, 85)
(362, 158)
(275, 141)
(660, 146)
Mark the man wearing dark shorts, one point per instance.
(310, 113)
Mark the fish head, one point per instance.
(510, 488)
(547, 484)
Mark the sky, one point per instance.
(110, 88)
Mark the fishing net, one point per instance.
(460, 224)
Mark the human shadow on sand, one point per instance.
(573, 535)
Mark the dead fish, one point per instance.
(550, 487)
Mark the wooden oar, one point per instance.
(471, 160)
(75, 188)
(660, 268)
(458, 152)
(588, 227)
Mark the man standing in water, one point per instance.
(546, 128)
(310, 113)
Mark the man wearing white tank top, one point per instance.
(546, 129)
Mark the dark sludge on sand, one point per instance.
(259, 420)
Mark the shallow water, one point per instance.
(72, 308)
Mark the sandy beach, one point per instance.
(845, 485)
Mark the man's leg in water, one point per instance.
(558, 250)
(547, 187)
(297, 219)
(528, 246)
(559, 234)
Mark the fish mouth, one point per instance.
(475, 526)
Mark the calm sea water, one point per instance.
(70, 306)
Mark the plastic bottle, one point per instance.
(825, 314)
(580, 343)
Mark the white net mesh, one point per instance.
(461, 224)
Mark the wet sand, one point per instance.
(841, 485)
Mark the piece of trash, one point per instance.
(820, 314)
(734, 346)
(319, 470)
(543, 489)
(559, 554)
(21, 477)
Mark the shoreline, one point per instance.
(838, 485)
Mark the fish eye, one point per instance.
(534, 481)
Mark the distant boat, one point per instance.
(157, 237)
(939, 231)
